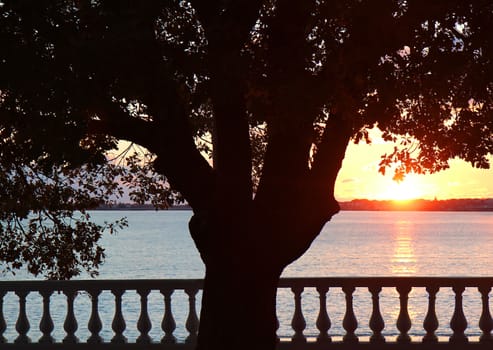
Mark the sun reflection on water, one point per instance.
(403, 261)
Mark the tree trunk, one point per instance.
(245, 249)
(239, 307)
(244, 255)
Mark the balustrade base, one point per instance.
(283, 345)
(384, 346)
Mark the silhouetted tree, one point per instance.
(272, 91)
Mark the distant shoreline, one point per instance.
(467, 204)
(410, 209)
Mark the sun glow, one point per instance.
(359, 177)
(409, 188)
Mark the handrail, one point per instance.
(108, 284)
(419, 281)
(385, 281)
(191, 287)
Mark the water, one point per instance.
(157, 245)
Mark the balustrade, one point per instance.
(458, 323)
(3, 324)
(350, 323)
(95, 325)
(70, 325)
(344, 333)
(377, 323)
(403, 321)
(46, 324)
(298, 323)
(118, 325)
(192, 323)
(323, 319)
(22, 325)
(168, 325)
(485, 321)
(430, 323)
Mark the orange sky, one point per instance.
(359, 178)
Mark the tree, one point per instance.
(272, 91)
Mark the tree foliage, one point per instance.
(272, 91)
(245, 107)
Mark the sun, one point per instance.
(408, 189)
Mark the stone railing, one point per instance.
(53, 305)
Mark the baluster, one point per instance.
(192, 323)
(298, 322)
(458, 323)
(430, 323)
(118, 325)
(350, 323)
(3, 324)
(323, 320)
(485, 321)
(403, 320)
(22, 325)
(70, 325)
(377, 323)
(168, 325)
(144, 323)
(94, 325)
(278, 339)
(46, 323)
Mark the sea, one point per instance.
(156, 245)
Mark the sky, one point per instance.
(359, 178)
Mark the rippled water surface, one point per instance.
(157, 245)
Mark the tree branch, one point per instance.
(112, 120)
(293, 110)
(228, 23)
(172, 142)
(330, 154)
(227, 29)
(169, 135)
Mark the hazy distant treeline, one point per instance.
(472, 204)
